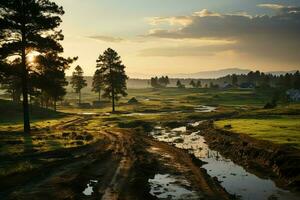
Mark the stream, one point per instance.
(234, 178)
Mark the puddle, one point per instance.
(204, 109)
(195, 124)
(234, 178)
(165, 186)
(200, 108)
(89, 188)
(88, 113)
(179, 129)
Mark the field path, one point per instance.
(116, 167)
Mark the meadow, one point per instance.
(73, 132)
(244, 106)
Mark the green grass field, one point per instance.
(280, 125)
(277, 129)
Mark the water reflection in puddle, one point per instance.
(204, 109)
(165, 186)
(89, 188)
(234, 178)
(199, 108)
(88, 113)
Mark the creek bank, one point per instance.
(278, 162)
(234, 178)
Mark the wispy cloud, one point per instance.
(271, 6)
(179, 20)
(107, 38)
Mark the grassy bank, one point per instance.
(280, 125)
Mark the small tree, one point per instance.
(11, 82)
(98, 83)
(179, 85)
(114, 77)
(167, 81)
(198, 84)
(78, 82)
(296, 81)
(163, 81)
(234, 80)
(50, 78)
(154, 82)
(192, 83)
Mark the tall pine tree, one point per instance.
(78, 82)
(98, 83)
(114, 77)
(28, 26)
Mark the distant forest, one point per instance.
(252, 79)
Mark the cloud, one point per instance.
(272, 6)
(106, 38)
(180, 20)
(178, 51)
(206, 13)
(274, 38)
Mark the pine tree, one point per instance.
(234, 79)
(179, 84)
(11, 82)
(50, 76)
(114, 77)
(154, 82)
(192, 83)
(98, 83)
(198, 84)
(27, 26)
(78, 82)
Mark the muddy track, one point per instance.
(119, 166)
(278, 162)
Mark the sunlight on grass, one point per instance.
(283, 130)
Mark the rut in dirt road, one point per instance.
(117, 166)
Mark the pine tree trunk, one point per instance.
(112, 89)
(54, 105)
(99, 97)
(79, 97)
(113, 99)
(24, 80)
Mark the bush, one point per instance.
(270, 105)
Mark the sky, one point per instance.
(161, 37)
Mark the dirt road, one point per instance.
(118, 165)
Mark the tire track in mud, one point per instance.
(121, 147)
(182, 163)
(115, 162)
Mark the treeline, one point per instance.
(161, 82)
(259, 79)
(253, 79)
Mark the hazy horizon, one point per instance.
(213, 74)
(179, 36)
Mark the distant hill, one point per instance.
(212, 74)
(221, 73)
